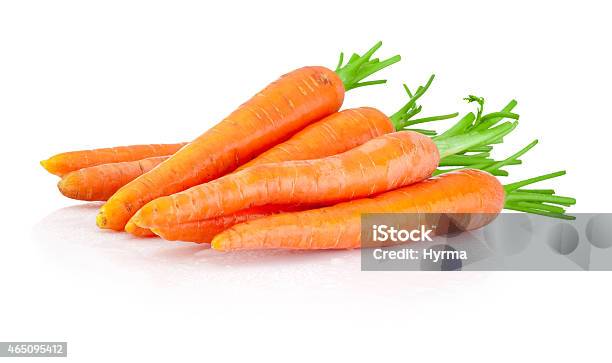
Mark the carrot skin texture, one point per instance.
(381, 164)
(285, 106)
(100, 182)
(336, 133)
(204, 231)
(339, 226)
(64, 163)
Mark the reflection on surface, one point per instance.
(69, 238)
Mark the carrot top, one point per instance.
(538, 201)
(402, 118)
(478, 121)
(469, 142)
(456, 146)
(359, 67)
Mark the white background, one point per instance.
(80, 74)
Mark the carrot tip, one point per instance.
(47, 164)
(130, 227)
(217, 244)
(65, 187)
(101, 220)
(133, 229)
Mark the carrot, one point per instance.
(64, 163)
(360, 125)
(381, 164)
(100, 182)
(203, 231)
(334, 134)
(285, 106)
(339, 226)
(345, 130)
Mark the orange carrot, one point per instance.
(285, 106)
(381, 164)
(203, 231)
(345, 130)
(100, 182)
(64, 163)
(361, 125)
(332, 135)
(339, 226)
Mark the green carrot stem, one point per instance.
(430, 119)
(444, 171)
(359, 67)
(539, 191)
(487, 166)
(511, 158)
(425, 132)
(491, 121)
(537, 201)
(455, 160)
(464, 123)
(413, 112)
(499, 173)
(369, 83)
(538, 211)
(499, 115)
(514, 186)
(471, 122)
(460, 143)
(480, 101)
(485, 148)
(398, 118)
(535, 197)
(478, 155)
(542, 206)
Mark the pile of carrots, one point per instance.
(288, 169)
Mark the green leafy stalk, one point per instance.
(405, 111)
(430, 133)
(480, 101)
(472, 122)
(491, 166)
(467, 144)
(460, 143)
(538, 201)
(402, 118)
(463, 160)
(491, 119)
(460, 127)
(360, 67)
(430, 119)
(511, 159)
(477, 149)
